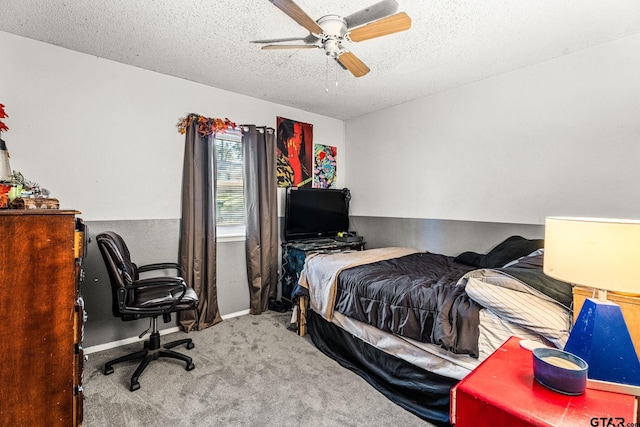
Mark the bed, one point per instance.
(413, 323)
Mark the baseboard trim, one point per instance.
(119, 343)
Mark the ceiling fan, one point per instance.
(330, 31)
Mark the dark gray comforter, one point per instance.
(414, 296)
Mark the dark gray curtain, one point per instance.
(259, 145)
(198, 228)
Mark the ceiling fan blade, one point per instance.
(310, 39)
(286, 39)
(382, 27)
(297, 14)
(351, 62)
(289, 46)
(371, 13)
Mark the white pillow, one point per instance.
(522, 306)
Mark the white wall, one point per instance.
(558, 138)
(102, 136)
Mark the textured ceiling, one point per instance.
(450, 43)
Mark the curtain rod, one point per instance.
(260, 129)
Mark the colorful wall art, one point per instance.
(295, 153)
(324, 171)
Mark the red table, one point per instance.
(502, 392)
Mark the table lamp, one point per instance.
(603, 254)
(5, 168)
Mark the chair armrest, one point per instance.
(158, 281)
(160, 266)
(172, 283)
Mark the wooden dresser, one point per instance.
(42, 314)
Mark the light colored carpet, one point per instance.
(250, 371)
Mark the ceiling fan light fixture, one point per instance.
(333, 26)
(334, 29)
(332, 47)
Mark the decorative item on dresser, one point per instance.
(35, 203)
(5, 167)
(41, 256)
(15, 191)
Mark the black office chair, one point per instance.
(135, 298)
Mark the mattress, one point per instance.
(431, 357)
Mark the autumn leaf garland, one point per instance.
(3, 115)
(206, 125)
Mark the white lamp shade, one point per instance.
(597, 253)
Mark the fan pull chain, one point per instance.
(326, 75)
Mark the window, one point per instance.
(230, 217)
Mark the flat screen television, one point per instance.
(315, 212)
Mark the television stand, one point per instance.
(295, 252)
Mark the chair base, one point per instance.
(152, 351)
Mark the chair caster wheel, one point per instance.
(108, 370)
(134, 386)
(190, 345)
(190, 367)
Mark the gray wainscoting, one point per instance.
(446, 237)
(157, 240)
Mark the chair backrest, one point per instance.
(122, 272)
